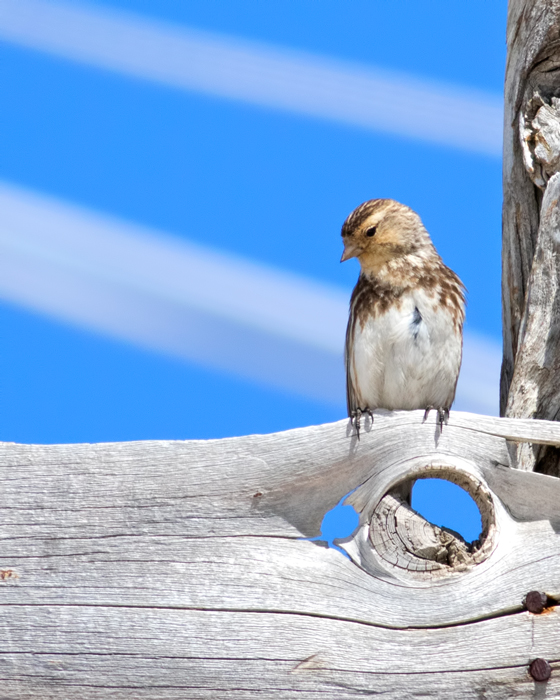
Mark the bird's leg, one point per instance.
(355, 420)
(427, 413)
(443, 416)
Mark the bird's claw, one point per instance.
(356, 417)
(442, 415)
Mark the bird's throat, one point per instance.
(396, 270)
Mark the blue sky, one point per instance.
(170, 228)
(258, 183)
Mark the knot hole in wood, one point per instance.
(398, 539)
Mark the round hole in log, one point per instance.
(407, 542)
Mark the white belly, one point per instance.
(403, 362)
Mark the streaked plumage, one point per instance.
(405, 332)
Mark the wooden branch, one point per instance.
(182, 569)
(530, 384)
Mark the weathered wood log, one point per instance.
(530, 385)
(183, 569)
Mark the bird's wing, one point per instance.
(351, 401)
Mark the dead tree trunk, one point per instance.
(530, 385)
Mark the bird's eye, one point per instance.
(371, 231)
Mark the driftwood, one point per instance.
(183, 569)
(530, 386)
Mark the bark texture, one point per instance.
(530, 383)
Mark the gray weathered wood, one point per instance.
(530, 384)
(183, 569)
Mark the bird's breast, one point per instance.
(407, 356)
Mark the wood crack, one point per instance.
(272, 611)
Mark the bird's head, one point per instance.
(381, 230)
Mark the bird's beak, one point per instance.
(351, 250)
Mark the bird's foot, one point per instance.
(356, 417)
(442, 415)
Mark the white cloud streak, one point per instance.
(236, 69)
(162, 293)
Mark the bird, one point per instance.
(404, 339)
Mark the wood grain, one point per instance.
(184, 569)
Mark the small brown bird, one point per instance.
(404, 339)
